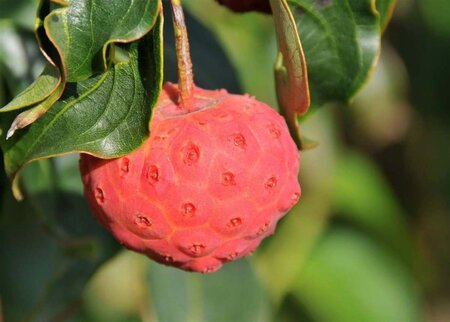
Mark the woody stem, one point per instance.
(185, 74)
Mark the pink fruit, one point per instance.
(247, 5)
(205, 188)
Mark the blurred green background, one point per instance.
(368, 241)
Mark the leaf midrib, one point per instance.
(124, 118)
(62, 111)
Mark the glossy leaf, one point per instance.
(83, 29)
(350, 278)
(38, 91)
(106, 115)
(21, 60)
(341, 41)
(231, 294)
(385, 9)
(32, 114)
(290, 70)
(46, 89)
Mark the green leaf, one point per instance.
(38, 91)
(290, 70)
(83, 29)
(106, 115)
(19, 65)
(231, 294)
(32, 114)
(350, 278)
(42, 94)
(386, 9)
(341, 41)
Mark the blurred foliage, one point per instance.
(351, 278)
(21, 12)
(47, 246)
(369, 240)
(221, 297)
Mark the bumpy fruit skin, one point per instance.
(205, 188)
(247, 5)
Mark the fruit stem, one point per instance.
(185, 73)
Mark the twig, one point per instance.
(185, 73)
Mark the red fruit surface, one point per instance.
(247, 5)
(205, 188)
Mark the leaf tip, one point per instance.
(12, 130)
(17, 193)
